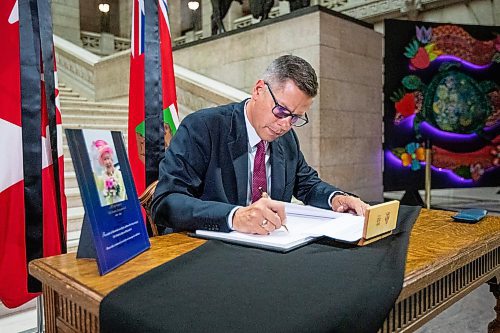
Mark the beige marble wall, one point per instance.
(349, 131)
(174, 8)
(125, 18)
(66, 19)
(206, 11)
(344, 139)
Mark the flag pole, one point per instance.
(428, 162)
(39, 314)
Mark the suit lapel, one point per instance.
(238, 149)
(277, 170)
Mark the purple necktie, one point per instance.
(259, 172)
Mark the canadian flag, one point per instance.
(22, 238)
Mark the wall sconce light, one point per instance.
(193, 5)
(104, 8)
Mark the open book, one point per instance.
(306, 223)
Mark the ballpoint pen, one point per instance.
(265, 195)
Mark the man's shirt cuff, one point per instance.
(230, 217)
(330, 198)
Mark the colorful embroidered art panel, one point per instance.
(442, 91)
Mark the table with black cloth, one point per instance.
(325, 286)
(222, 287)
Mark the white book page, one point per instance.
(348, 228)
(280, 238)
(323, 222)
(303, 223)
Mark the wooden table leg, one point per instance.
(494, 326)
(49, 300)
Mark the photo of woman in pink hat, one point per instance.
(109, 181)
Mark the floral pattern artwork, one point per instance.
(449, 40)
(411, 155)
(471, 165)
(452, 101)
(447, 97)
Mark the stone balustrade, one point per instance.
(187, 38)
(96, 43)
(94, 77)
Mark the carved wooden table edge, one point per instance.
(72, 306)
(68, 307)
(431, 289)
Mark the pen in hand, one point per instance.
(265, 195)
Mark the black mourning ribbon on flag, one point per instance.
(33, 38)
(47, 43)
(153, 105)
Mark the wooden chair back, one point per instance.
(145, 199)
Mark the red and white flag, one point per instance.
(145, 147)
(18, 242)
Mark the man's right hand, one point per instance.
(261, 217)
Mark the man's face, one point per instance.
(266, 124)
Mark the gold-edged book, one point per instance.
(380, 221)
(306, 223)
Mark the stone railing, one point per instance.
(373, 11)
(187, 38)
(122, 44)
(248, 20)
(332, 4)
(94, 42)
(103, 78)
(94, 77)
(196, 91)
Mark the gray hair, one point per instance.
(290, 67)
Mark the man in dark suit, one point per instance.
(223, 159)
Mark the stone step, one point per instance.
(68, 163)
(73, 239)
(75, 219)
(64, 89)
(112, 127)
(73, 197)
(92, 111)
(63, 98)
(88, 104)
(70, 180)
(68, 93)
(94, 120)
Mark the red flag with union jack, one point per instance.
(153, 117)
(32, 201)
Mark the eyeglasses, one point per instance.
(281, 112)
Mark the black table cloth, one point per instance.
(323, 287)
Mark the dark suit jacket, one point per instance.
(204, 174)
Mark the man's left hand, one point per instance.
(349, 204)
